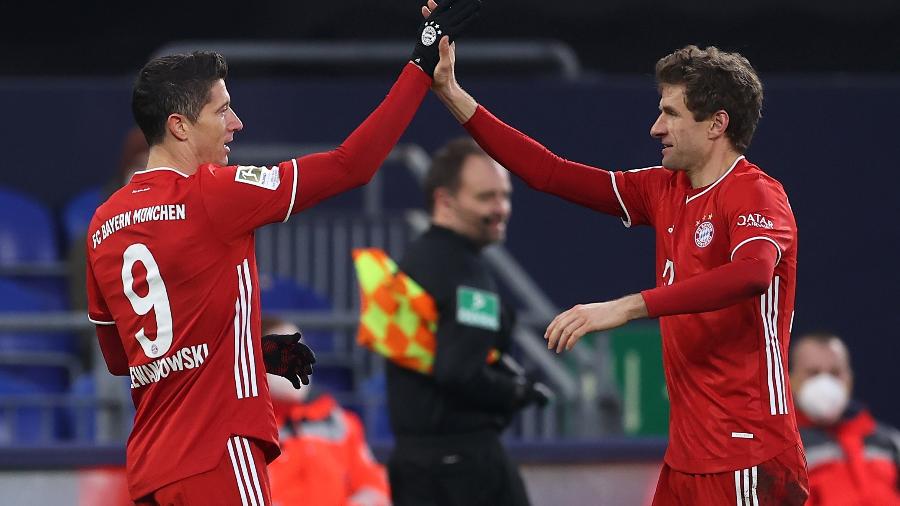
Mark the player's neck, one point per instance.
(713, 167)
(160, 156)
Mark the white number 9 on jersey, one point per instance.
(157, 299)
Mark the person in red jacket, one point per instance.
(325, 460)
(853, 460)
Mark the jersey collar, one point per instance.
(143, 174)
(689, 198)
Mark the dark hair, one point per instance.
(446, 167)
(178, 83)
(716, 80)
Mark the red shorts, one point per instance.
(239, 479)
(778, 481)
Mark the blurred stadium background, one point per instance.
(574, 74)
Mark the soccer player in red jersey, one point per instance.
(171, 272)
(726, 243)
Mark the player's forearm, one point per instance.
(715, 289)
(540, 168)
(355, 161)
(460, 104)
(111, 347)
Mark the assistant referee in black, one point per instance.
(447, 425)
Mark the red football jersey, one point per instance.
(171, 264)
(726, 370)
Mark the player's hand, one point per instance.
(445, 20)
(286, 356)
(568, 327)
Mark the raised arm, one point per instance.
(355, 161)
(536, 165)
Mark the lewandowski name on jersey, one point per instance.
(163, 212)
(189, 357)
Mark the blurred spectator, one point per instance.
(853, 460)
(133, 158)
(324, 460)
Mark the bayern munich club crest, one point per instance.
(430, 33)
(704, 234)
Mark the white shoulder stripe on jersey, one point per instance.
(768, 308)
(627, 219)
(717, 181)
(237, 349)
(293, 192)
(248, 341)
(783, 404)
(244, 359)
(100, 322)
(768, 344)
(242, 298)
(758, 238)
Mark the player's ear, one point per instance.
(719, 124)
(178, 126)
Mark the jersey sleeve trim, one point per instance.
(100, 322)
(759, 238)
(627, 219)
(717, 181)
(293, 192)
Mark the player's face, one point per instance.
(215, 127)
(686, 143)
(481, 206)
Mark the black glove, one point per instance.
(449, 18)
(286, 356)
(533, 392)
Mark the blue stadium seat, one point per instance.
(49, 351)
(284, 294)
(378, 425)
(18, 297)
(27, 233)
(333, 377)
(77, 214)
(23, 422)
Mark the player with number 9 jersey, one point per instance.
(173, 289)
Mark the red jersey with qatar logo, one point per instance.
(726, 370)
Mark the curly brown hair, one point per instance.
(716, 80)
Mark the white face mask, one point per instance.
(823, 398)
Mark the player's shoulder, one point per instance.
(110, 206)
(749, 176)
(654, 171)
(243, 176)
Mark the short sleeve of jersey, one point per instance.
(757, 209)
(239, 199)
(638, 192)
(98, 312)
